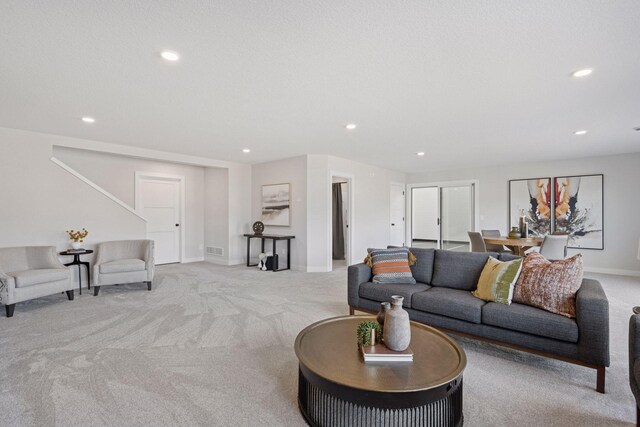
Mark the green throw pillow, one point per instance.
(497, 280)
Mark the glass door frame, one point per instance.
(475, 202)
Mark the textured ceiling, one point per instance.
(468, 82)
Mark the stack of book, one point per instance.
(380, 353)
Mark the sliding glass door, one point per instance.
(441, 216)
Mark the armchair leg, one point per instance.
(352, 311)
(601, 379)
(637, 416)
(96, 290)
(10, 308)
(149, 285)
(70, 295)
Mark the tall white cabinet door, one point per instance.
(397, 215)
(159, 203)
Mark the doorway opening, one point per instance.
(159, 198)
(396, 215)
(442, 215)
(341, 195)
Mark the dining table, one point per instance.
(517, 245)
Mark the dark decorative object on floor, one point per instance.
(258, 227)
(384, 307)
(397, 329)
(365, 334)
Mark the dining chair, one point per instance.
(477, 242)
(491, 247)
(554, 247)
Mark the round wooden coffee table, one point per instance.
(336, 387)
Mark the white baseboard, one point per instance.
(217, 260)
(311, 269)
(614, 271)
(196, 259)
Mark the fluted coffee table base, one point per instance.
(327, 404)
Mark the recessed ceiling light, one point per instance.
(420, 153)
(88, 120)
(583, 73)
(580, 132)
(246, 150)
(170, 55)
(351, 126)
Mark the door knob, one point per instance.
(392, 224)
(177, 225)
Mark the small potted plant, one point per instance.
(369, 333)
(77, 237)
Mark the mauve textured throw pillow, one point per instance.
(551, 286)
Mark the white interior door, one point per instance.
(158, 200)
(397, 215)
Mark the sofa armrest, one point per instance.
(634, 352)
(7, 285)
(592, 316)
(358, 274)
(148, 259)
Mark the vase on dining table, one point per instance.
(514, 233)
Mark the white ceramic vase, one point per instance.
(397, 328)
(76, 245)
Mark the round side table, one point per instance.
(76, 261)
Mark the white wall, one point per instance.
(46, 200)
(621, 201)
(371, 218)
(424, 211)
(41, 200)
(293, 171)
(216, 212)
(116, 174)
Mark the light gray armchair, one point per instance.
(31, 272)
(124, 261)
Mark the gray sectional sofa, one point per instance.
(441, 298)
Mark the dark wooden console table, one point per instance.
(274, 238)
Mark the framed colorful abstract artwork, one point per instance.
(579, 210)
(531, 198)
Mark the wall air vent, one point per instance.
(215, 251)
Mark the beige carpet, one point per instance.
(213, 346)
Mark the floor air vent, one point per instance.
(215, 251)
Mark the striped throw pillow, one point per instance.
(391, 265)
(497, 280)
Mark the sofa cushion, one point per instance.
(40, 275)
(459, 270)
(449, 302)
(390, 265)
(530, 320)
(382, 292)
(504, 256)
(422, 270)
(551, 286)
(122, 266)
